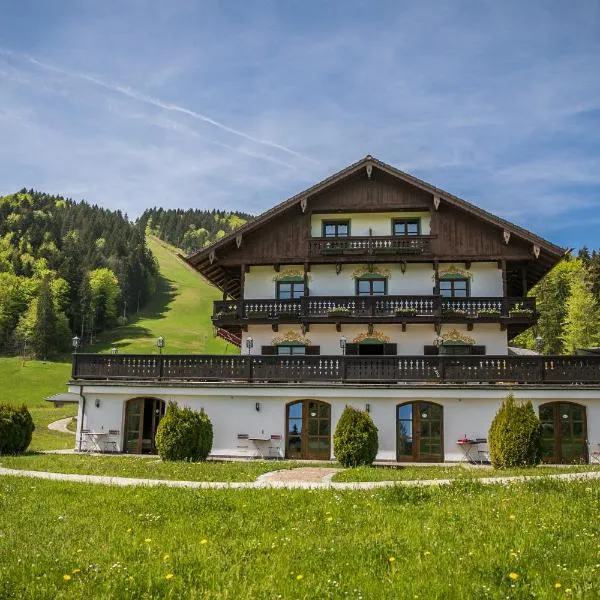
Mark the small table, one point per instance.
(470, 449)
(96, 440)
(261, 443)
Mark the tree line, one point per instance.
(568, 302)
(67, 267)
(191, 229)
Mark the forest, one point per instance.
(191, 229)
(66, 268)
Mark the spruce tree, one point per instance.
(582, 319)
(45, 323)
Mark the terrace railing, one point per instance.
(370, 245)
(345, 369)
(403, 307)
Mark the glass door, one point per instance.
(563, 432)
(308, 430)
(419, 432)
(134, 417)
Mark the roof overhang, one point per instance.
(63, 398)
(206, 261)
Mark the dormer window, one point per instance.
(406, 227)
(335, 229)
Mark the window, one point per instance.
(456, 349)
(371, 287)
(404, 227)
(454, 288)
(289, 290)
(333, 229)
(291, 350)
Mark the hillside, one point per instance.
(180, 311)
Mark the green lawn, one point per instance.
(530, 540)
(459, 471)
(145, 468)
(29, 383)
(180, 312)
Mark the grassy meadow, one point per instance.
(534, 540)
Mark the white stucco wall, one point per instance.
(468, 410)
(377, 223)
(410, 342)
(417, 280)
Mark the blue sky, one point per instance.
(240, 104)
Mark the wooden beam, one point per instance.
(338, 326)
(403, 326)
(275, 326)
(504, 285)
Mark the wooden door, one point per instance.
(419, 432)
(308, 431)
(564, 432)
(134, 420)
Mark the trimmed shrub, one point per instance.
(16, 428)
(355, 440)
(515, 436)
(184, 434)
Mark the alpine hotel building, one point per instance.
(372, 289)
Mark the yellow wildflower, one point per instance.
(148, 540)
(329, 519)
(66, 577)
(169, 576)
(299, 577)
(166, 557)
(513, 576)
(426, 553)
(392, 559)
(512, 517)
(557, 585)
(129, 530)
(76, 571)
(204, 541)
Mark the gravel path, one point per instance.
(61, 425)
(294, 481)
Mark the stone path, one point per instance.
(61, 425)
(293, 481)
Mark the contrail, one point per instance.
(141, 97)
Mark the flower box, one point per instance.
(525, 312)
(257, 314)
(405, 312)
(340, 311)
(488, 312)
(226, 314)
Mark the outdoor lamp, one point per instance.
(249, 343)
(539, 343)
(343, 344)
(76, 343)
(160, 344)
(114, 350)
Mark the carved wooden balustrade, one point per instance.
(370, 245)
(351, 369)
(387, 308)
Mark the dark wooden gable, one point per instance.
(460, 231)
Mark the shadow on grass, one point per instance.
(156, 308)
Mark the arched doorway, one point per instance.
(142, 416)
(419, 432)
(564, 432)
(308, 430)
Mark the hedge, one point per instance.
(16, 429)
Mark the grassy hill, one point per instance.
(180, 312)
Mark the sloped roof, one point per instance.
(198, 259)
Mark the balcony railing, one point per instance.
(371, 245)
(392, 308)
(344, 369)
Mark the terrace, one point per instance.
(342, 369)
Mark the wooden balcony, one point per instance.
(384, 246)
(388, 309)
(342, 369)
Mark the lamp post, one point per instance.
(249, 344)
(114, 350)
(160, 343)
(539, 343)
(343, 341)
(76, 341)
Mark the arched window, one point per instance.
(419, 432)
(564, 432)
(308, 431)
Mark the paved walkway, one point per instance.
(61, 425)
(312, 481)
